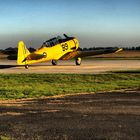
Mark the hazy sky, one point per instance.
(93, 22)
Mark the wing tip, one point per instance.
(119, 50)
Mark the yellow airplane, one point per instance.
(57, 49)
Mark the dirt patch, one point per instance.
(113, 115)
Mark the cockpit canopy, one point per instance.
(56, 40)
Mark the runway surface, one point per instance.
(87, 66)
(101, 116)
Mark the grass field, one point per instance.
(123, 55)
(17, 86)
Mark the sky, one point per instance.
(95, 23)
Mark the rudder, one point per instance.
(23, 52)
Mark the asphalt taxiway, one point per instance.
(87, 66)
(101, 116)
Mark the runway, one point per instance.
(87, 66)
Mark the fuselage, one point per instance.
(53, 49)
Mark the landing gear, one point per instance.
(26, 66)
(78, 61)
(54, 62)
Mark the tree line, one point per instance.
(11, 50)
(124, 48)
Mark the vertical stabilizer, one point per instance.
(23, 52)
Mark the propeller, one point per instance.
(66, 36)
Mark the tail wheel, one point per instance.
(54, 62)
(26, 66)
(78, 61)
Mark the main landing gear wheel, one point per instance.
(54, 62)
(26, 66)
(78, 61)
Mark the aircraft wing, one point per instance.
(76, 54)
(34, 56)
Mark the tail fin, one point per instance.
(23, 52)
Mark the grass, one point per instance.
(4, 138)
(17, 86)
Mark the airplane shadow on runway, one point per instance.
(7, 66)
(12, 66)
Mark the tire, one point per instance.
(78, 61)
(54, 62)
(26, 66)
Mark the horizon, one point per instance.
(94, 47)
(96, 23)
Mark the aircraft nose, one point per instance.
(76, 43)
